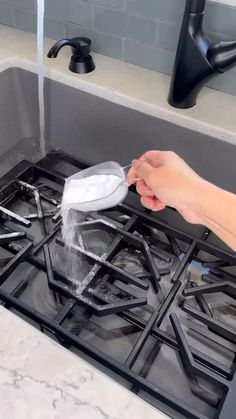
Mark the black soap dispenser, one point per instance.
(81, 61)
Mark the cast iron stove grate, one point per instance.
(166, 307)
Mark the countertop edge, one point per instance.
(125, 84)
(125, 100)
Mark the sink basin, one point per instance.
(95, 130)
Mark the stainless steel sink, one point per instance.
(96, 130)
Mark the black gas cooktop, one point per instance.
(155, 302)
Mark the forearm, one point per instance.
(217, 209)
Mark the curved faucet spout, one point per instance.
(222, 56)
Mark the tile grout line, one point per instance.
(13, 16)
(123, 49)
(93, 16)
(157, 33)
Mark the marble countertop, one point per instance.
(39, 379)
(123, 83)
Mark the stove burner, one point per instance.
(84, 299)
(156, 303)
(10, 216)
(9, 237)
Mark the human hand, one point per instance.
(166, 180)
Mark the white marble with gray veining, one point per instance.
(41, 380)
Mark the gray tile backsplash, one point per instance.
(6, 15)
(53, 28)
(57, 12)
(79, 11)
(29, 5)
(139, 28)
(103, 43)
(125, 25)
(168, 35)
(143, 32)
(158, 59)
(25, 20)
(113, 4)
(221, 19)
(167, 10)
(109, 21)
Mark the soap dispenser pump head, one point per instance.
(81, 60)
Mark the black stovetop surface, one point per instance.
(153, 304)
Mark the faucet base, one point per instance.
(181, 105)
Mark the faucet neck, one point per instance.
(197, 59)
(222, 56)
(195, 6)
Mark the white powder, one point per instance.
(84, 194)
(72, 238)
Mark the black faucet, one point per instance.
(197, 59)
(81, 60)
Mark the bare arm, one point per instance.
(166, 180)
(218, 213)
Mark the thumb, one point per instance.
(142, 168)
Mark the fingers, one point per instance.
(143, 189)
(152, 203)
(148, 199)
(154, 157)
(142, 168)
(131, 176)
